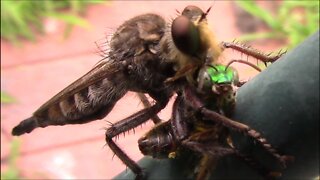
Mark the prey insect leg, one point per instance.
(267, 174)
(207, 164)
(196, 103)
(178, 122)
(209, 144)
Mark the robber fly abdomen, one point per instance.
(97, 99)
(87, 104)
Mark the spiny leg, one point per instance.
(125, 158)
(251, 52)
(136, 119)
(130, 123)
(196, 103)
(147, 104)
(247, 130)
(267, 174)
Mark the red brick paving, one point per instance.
(34, 73)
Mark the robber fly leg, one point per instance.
(124, 158)
(251, 52)
(147, 104)
(130, 123)
(196, 103)
(137, 118)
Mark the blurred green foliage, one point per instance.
(12, 172)
(22, 19)
(6, 98)
(293, 21)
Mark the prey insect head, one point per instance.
(217, 78)
(220, 78)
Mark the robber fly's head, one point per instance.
(186, 31)
(217, 79)
(195, 14)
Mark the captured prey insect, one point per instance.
(200, 123)
(146, 55)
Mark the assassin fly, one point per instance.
(146, 55)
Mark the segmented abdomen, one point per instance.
(91, 103)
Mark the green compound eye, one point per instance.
(213, 75)
(219, 74)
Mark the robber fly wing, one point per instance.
(89, 98)
(97, 74)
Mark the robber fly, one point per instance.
(146, 55)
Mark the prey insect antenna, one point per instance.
(243, 62)
(212, 67)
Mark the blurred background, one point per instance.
(46, 45)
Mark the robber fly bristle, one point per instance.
(208, 10)
(204, 15)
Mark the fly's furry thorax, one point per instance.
(210, 45)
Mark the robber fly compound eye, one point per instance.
(185, 35)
